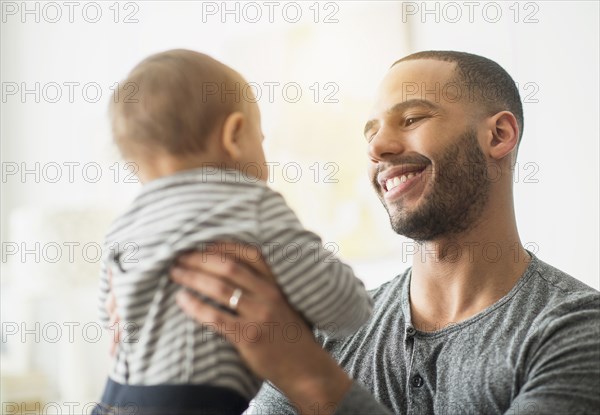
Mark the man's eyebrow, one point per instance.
(403, 106)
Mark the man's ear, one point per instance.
(231, 135)
(504, 137)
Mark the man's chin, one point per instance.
(416, 235)
(411, 226)
(398, 211)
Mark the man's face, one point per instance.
(426, 164)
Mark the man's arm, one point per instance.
(357, 401)
(287, 353)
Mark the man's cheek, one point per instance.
(372, 173)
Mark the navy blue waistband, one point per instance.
(119, 399)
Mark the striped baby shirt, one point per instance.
(190, 210)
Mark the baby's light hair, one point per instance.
(172, 101)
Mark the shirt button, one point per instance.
(417, 381)
(410, 331)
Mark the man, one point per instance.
(478, 324)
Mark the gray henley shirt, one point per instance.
(535, 351)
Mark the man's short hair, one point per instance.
(491, 86)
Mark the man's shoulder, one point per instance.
(557, 288)
(552, 297)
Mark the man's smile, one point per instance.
(396, 181)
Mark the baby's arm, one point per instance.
(317, 284)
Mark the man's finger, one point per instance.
(115, 329)
(207, 315)
(247, 255)
(113, 348)
(215, 288)
(111, 308)
(226, 269)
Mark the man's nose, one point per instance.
(386, 143)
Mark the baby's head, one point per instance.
(181, 109)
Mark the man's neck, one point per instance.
(456, 278)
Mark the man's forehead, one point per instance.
(416, 79)
(421, 70)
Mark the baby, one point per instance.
(190, 125)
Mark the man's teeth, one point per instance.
(396, 181)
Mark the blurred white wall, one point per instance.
(338, 49)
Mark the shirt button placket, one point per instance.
(411, 344)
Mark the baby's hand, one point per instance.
(111, 309)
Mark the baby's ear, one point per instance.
(231, 135)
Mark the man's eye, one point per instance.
(411, 120)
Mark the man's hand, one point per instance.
(271, 337)
(111, 309)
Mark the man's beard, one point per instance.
(456, 198)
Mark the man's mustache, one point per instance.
(396, 161)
